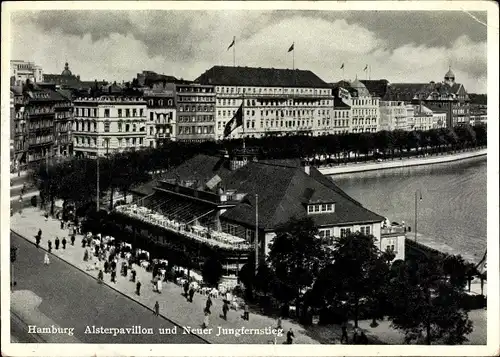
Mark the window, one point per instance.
(323, 207)
(127, 127)
(344, 232)
(134, 127)
(106, 126)
(316, 208)
(119, 113)
(127, 113)
(106, 113)
(120, 142)
(151, 116)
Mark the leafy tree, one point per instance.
(212, 271)
(296, 256)
(359, 273)
(424, 302)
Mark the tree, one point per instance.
(424, 302)
(296, 257)
(212, 271)
(358, 274)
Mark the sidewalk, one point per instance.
(173, 305)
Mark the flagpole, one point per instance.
(293, 56)
(234, 52)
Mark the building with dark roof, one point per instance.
(223, 193)
(64, 80)
(447, 96)
(274, 101)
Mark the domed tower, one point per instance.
(449, 77)
(360, 87)
(66, 72)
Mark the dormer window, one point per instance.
(321, 208)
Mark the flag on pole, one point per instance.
(366, 68)
(342, 67)
(235, 122)
(291, 47)
(232, 43)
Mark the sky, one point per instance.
(400, 46)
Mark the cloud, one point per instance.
(118, 45)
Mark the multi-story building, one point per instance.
(447, 96)
(195, 111)
(161, 116)
(424, 119)
(410, 117)
(20, 71)
(47, 117)
(64, 80)
(478, 113)
(274, 101)
(438, 120)
(340, 117)
(109, 122)
(392, 115)
(364, 108)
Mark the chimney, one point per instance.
(307, 169)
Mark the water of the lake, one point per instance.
(453, 207)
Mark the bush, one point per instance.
(473, 302)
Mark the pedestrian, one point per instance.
(158, 286)
(62, 224)
(355, 336)
(84, 242)
(133, 274)
(113, 264)
(113, 276)
(64, 243)
(100, 276)
(40, 233)
(86, 255)
(289, 337)
(208, 305)
(246, 312)
(49, 243)
(46, 260)
(106, 267)
(225, 309)
(138, 288)
(191, 294)
(23, 189)
(57, 243)
(157, 309)
(206, 321)
(186, 288)
(37, 239)
(125, 269)
(96, 250)
(344, 332)
(46, 217)
(73, 239)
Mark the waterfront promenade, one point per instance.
(398, 163)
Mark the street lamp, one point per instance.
(416, 209)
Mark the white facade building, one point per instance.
(392, 115)
(109, 123)
(22, 70)
(365, 110)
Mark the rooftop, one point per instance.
(261, 77)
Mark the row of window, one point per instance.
(196, 99)
(273, 90)
(366, 121)
(365, 102)
(321, 208)
(196, 108)
(195, 118)
(93, 112)
(165, 116)
(122, 142)
(190, 89)
(190, 130)
(160, 102)
(366, 130)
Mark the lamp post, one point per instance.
(416, 209)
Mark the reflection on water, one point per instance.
(453, 206)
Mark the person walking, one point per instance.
(57, 243)
(206, 320)
(186, 288)
(158, 286)
(46, 259)
(138, 288)
(157, 309)
(46, 217)
(86, 256)
(208, 305)
(64, 242)
(246, 312)
(49, 243)
(191, 294)
(73, 239)
(106, 266)
(37, 239)
(225, 309)
(84, 242)
(289, 337)
(132, 275)
(279, 323)
(100, 276)
(113, 276)
(62, 224)
(344, 332)
(39, 233)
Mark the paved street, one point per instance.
(71, 298)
